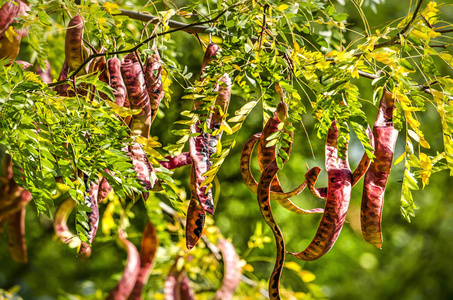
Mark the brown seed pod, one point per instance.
(385, 136)
(134, 80)
(337, 201)
(15, 231)
(124, 287)
(147, 255)
(281, 197)
(195, 217)
(75, 51)
(116, 81)
(232, 271)
(142, 166)
(263, 196)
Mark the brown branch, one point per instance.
(403, 31)
(266, 7)
(443, 30)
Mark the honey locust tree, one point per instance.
(133, 115)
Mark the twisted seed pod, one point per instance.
(232, 273)
(124, 287)
(385, 136)
(337, 201)
(153, 78)
(177, 285)
(147, 255)
(280, 197)
(15, 231)
(263, 195)
(134, 80)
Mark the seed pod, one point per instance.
(63, 89)
(337, 201)
(124, 287)
(7, 14)
(209, 55)
(280, 197)
(9, 48)
(116, 81)
(15, 230)
(263, 196)
(142, 166)
(75, 51)
(385, 136)
(147, 255)
(104, 189)
(153, 70)
(60, 220)
(178, 161)
(93, 217)
(134, 80)
(232, 271)
(195, 217)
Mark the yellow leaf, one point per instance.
(307, 276)
(282, 7)
(426, 168)
(112, 8)
(10, 34)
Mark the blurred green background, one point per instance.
(416, 260)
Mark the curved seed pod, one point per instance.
(263, 194)
(124, 287)
(134, 80)
(186, 290)
(310, 178)
(178, 161)
(153, 70)
(93, 217)
(75, 51)
(337, 201)
(142, 166)
(211, 52)
(232, 273)
(116, 81)
(15, 230)
(14, 201)
(280, 197)
(385, 136)
(195, 217)
(60, 220)
(147, 255)
(45, 75)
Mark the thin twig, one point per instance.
(443, 30)
(403, 31)
(264, 24)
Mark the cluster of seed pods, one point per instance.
(337, 193)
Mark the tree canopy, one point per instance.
(139, 118)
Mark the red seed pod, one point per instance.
(142, 166)
(153, 77)
(232, 271)
(124, 287)
(385, 136)
(104, 189)
(134, 80)
(8, 12)
(337, 201)
(147, 255)
(177, 285)
(263, 195)
(15, 230)
(44, 74)
(209, 55)
(116, 81)
(178, 161)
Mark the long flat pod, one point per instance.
(93, 217)
(178, 161)
(195, 217)
(263, 196)
(75, 51)
(15, 231)
(8, 12)
(124, 287)
(134, 80)
(280, 197)
(148, 250)
(385, 136)
(116, 81)
(337, 201)
(232, 271)
(142, 166)
(153, 78)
